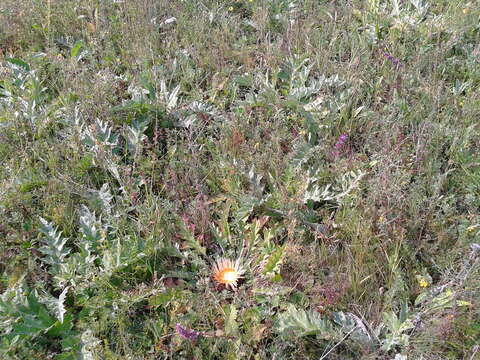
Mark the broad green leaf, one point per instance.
(77, 47)
(231, 325)
(32, 317)
(274, 261)
(19, 62)
(61, 328)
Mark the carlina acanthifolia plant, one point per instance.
(222, 188)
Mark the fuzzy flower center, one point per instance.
(228, 275)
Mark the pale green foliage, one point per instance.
(354, 327)
(135, 136)
(24, 94)
(304, 152)
(169, 98)
(298, 322)
(79, 267)
(92, 230)
(396, 329)
(346, 185)
(56, 306)
(99, 136)
(23, 316)
(53, 249)
(231, 325)
(273, 259)
(89, 346)
(103, 199)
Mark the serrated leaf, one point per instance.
(274, 260)
(54, 249)
(246, 207)
(443, 300)
(352, 325)
(88, 346)
(61, 328)
(345, 321)
(302, 154)
(190, 239)
(300, 323)
(56, 306)
(30, 315)
(19, 63)
(101, 200)
(135, 135)
(231, 325)
(89, 227)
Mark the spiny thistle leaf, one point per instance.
(101, 200)
(98, 136)
(135, 135)
(246, 206)
(301, 323)
(88, 346)
(274, 261)
(23, 315)
(56, 305)
(54, 249)
(90, 227)
(231, 325)
(351, 324)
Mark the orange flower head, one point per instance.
(227, 272)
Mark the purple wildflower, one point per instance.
(393, 59)
(342, 139)
(187, 334)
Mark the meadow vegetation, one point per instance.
(331, 148)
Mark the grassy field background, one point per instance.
(331, 147)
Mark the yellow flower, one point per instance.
(227, 272)
(472, 228)
(423, 283)
(230, 8)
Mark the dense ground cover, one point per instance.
(330, 147)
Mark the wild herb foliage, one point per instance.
(329, 149)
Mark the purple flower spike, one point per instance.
(187, 334)
(339, 145)
(341, 141)
(393, 59)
